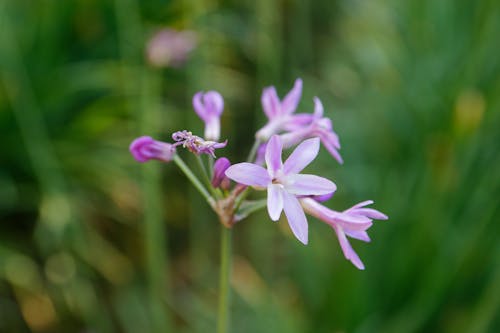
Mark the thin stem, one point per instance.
(206, 177)
(253, 151)
(210, 166)
(224, 274)
(196, 182)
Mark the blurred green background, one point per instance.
(91, 241)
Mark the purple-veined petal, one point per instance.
(304, 154)
(318, 108)
(347, 249)
(273, 155)
(274, 201)
(248, 174)
(270, 102)
(296, 217)
(291, 100)
(308, 185)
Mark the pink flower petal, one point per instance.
(270, 102)
(318, 107)
(309, 185)
(304, 154)
(361, 235)
(362, 204)
(295, 216)
(248, 174)
(371, 213)
(347, 249)
(273, 155)
(291, 100)
(274, 201)
(198, 106)
(214, 103)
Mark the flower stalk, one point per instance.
(224, 281)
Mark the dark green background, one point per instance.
(91, 241)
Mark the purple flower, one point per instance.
(278, 112)
(283, 181)
(352, 222)
(305, 126)
(219, 178)
(195, 144)
(169, 47)
(209, 107)
(145, 148)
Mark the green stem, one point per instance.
(224, 274)
(253, 151)
(196, 182)
(205, 175)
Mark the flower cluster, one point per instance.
(288, 190)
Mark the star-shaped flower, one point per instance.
(284, 183)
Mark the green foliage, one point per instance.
(92, 241)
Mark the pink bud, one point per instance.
(145, 148)
(219, 178)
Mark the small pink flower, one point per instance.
(146, 148)
(352, 222)
(284, 183)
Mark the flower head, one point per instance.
(352, 222)
(145, 148)
(284, 183)
(195, 144)
(209, 106)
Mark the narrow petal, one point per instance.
(347, 249)
(332, 150)
(362, 204)
(371, 213)
(274, 201)
(291, 100)
(273, 155)
(361, 235)
(308, 185)
(270, 102)
(304, 154)
(318, 108)
(295, 216)
(248, 174)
